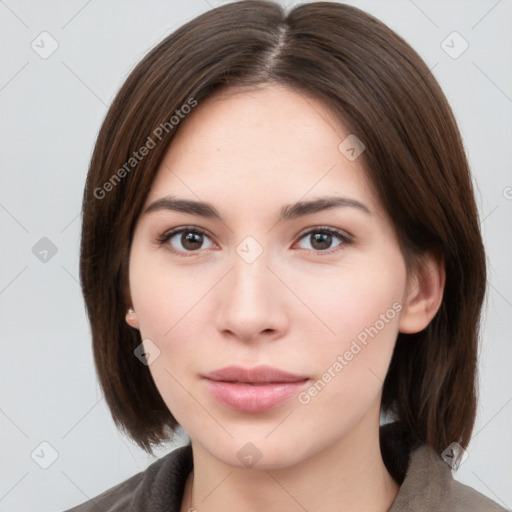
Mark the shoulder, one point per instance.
(467, 499)
(429, 485)
(161, 483)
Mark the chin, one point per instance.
(259, 453)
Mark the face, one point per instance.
(315, 292)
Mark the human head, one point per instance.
(381, 91)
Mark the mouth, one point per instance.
(253, 390)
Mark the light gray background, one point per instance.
(51, 111)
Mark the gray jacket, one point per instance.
(426, 482)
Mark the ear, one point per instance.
(131, 315)
(131, 318)
(424, 294)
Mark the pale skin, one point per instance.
(297, 306)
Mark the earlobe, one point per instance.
(424, 294)
(131, 318)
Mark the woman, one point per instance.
(280, 244)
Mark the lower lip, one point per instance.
(253, 397)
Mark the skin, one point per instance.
(296, 307)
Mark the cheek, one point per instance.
(171, 310)
(350, 370)
(362, 311)
(357, 302)
(165, 297)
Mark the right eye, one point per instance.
(183, 240)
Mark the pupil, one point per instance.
(189, 239)
(323, 239)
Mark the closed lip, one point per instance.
(262, 374)
(253, 390)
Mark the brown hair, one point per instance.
(383, 92)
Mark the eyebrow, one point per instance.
(288, 212)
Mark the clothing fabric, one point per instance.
(426, 482)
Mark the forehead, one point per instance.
(259, 145)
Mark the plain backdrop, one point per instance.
(52, 107)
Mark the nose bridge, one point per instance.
(250, 279)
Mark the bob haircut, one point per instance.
(381, 90)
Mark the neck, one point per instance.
(349, 475)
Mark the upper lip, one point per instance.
(259, 374)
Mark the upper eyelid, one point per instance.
(175, 231)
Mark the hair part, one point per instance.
(383, 92)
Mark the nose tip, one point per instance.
(249, 303)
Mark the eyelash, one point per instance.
(344, 238)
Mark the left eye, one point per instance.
(192, 239)
(320, 240)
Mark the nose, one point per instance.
(251, 301)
